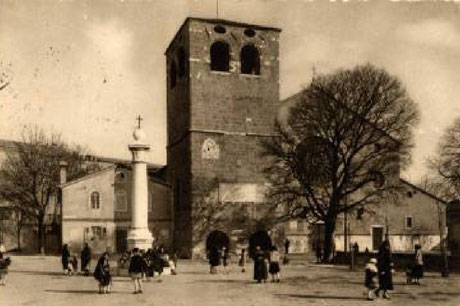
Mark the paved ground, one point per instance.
(38, 281)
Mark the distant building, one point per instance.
(413, 217)
(96, 209)
(453, 224)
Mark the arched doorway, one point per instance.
(217, 239)
(259, 238)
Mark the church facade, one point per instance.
(222, 103)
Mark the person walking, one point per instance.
(260, 266)
(102, 273)
(224, 258)
(417, 272)
(318, 252)
(214, 260)
(274, 267)
(370, 281)
(65, 254)
(136, 269)
(385, 270)
(85, 259)
(287, 244)
(4, 264)
(242, 262)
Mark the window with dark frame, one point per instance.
(250, 60)
(409, 222)
(220, 56)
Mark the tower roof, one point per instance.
(223, 22)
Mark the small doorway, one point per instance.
(121, 236)
(377, 237)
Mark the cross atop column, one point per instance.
(139, 119)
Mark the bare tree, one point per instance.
(5, 75)
(346, 138)
(445, 165)
(30, 176)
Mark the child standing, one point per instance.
(370, 278)
(274, 267)
(136, 268)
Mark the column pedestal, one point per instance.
(139, 238)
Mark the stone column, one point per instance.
(139, 235)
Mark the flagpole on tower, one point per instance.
(217, 9)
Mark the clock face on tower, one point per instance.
(210, 149)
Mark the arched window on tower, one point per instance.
(172, 74)
(250, 60)
(220, 56)
(182, 62)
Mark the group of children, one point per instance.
(144, 265)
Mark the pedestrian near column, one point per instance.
(65, 254)
(85, 259)
(136, 269)
(418, 264)
(274, 267)
(102, 273)
(385, 269)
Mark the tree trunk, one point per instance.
(41, 233)
(18, 233)
(329, 248)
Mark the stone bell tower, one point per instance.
(222, 101)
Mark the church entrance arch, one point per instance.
(261, 239)
(217, 240)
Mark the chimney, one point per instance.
(62, 172)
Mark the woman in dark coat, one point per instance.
(214, 259)
(385, 267)
(65, 254)
(85, 257)
(260, 265)
(102, 273)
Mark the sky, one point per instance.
(87, 69)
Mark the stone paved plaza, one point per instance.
(38, 281)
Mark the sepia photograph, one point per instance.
(229, 152)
